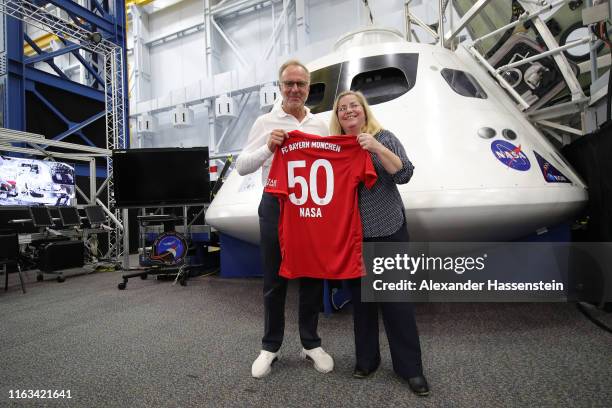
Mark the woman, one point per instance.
(382, 218)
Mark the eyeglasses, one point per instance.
(291, 84)
(352, 106)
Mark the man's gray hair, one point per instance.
(290, 63)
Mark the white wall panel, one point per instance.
(169, 136)
(171, 19)
(250, 32)
(238, 138)
(330, 20)
(177, 64)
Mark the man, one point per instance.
(267, 134)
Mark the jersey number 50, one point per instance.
(314, 193)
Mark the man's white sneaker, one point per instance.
(262, 365)
(323, 362)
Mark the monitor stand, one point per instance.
(163, 266)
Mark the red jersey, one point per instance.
(316, 179)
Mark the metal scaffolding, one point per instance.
(78, 34)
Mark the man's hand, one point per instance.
(277, 137)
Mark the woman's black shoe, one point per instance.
(419, 386)
(361, 374)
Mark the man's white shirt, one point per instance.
(256, 153)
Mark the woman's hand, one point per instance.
(369, 143)
(389, 160)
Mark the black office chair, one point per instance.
(9, 254)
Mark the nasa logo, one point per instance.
(170, 248)
(550, 173)
(510, 155)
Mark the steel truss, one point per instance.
(74, 32)
(540, 117)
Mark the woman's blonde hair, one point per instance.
(371, 125)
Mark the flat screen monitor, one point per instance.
(41, 217)
(69, 216)
(95, 214)
(161, 177)
(32, 182)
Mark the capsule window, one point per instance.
(486, 132)
(316, 94)
(463, 83)
(381, 85)
(323, 85)
(380, 78)
(509, 134)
